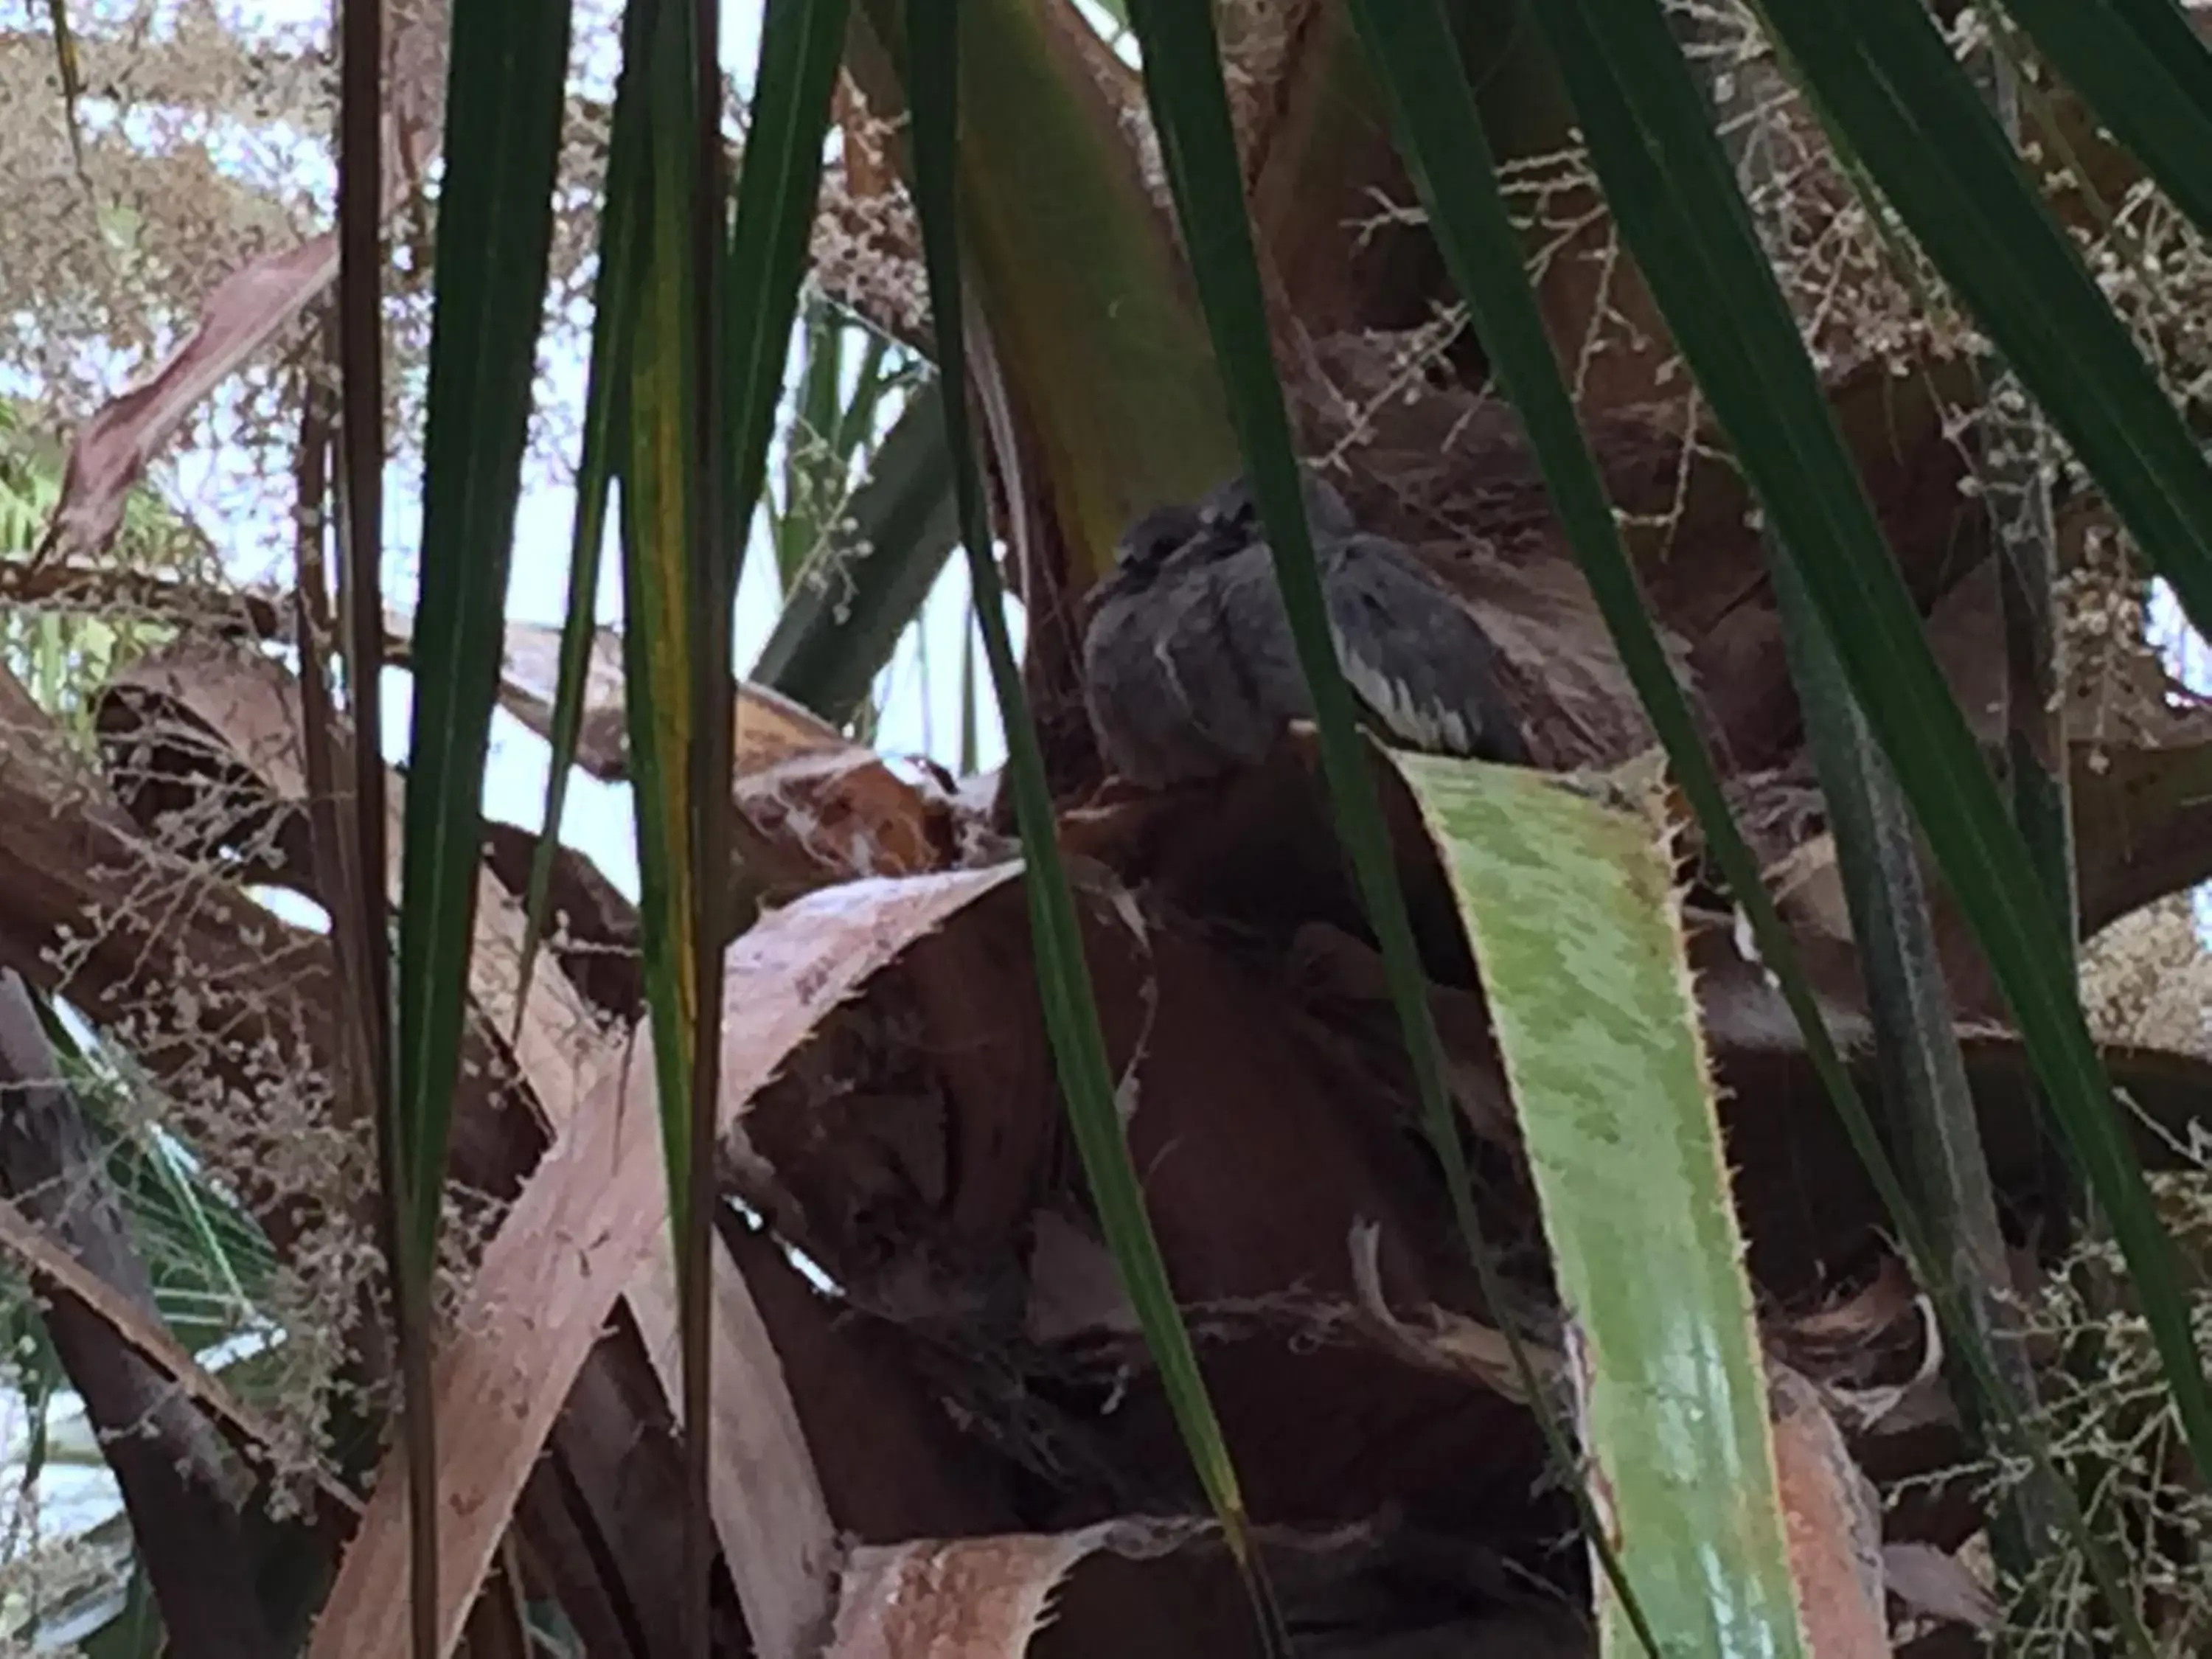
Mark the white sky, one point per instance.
(919, 693)
(921, 714)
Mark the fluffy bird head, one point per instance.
(1229, 509)
(1148, 543)
(1142, 555)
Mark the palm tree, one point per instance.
(1806, 455)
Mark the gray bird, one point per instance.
(1166, 698)
(1189, 665)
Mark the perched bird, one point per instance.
(1189, 665)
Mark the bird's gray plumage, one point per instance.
(1415, 656)
(1230, 513)
(1138, 709)
(1191, 670)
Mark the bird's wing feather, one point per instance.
(1414, 654)
(1222, 649)
(1136, 707)
(1258, 630)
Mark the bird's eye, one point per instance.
(1151, 544)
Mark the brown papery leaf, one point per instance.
(591, 1220)
(1834, 1520)
(771, 728)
